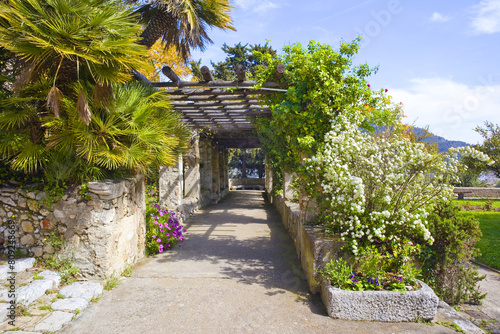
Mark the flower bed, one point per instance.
(389, 306)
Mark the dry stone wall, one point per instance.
(103, 232)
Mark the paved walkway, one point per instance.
(236, 272)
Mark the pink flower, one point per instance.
(160, 225)
(154, 236)
(158, 240)
(386, 90)
(411, 243)
(161, 230)
(160, 250)
(368, 85)
(155, 222)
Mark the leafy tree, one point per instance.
(491, 146)
(240, 54)
(182, 23)
(159, 56)
(244, 162)
(323, 85)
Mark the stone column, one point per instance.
(205, 147)
(215, 174)
(170, 185)
(192, 169)
(287, 182)
(268, 176)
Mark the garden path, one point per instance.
(236, 272)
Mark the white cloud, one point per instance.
(438, 17)
(451, 109)
(487, 17)
(256, 6)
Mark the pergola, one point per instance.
(222, 110)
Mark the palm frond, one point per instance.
(82, 107)
(54, 100)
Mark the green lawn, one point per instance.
(490, 242)
(476, 202)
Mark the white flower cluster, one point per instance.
(470, 152)
(378, 187)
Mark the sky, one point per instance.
(440, 58)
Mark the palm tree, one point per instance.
(137, 130)
(183, 23)
(72, 40)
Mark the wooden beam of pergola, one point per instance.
(223, 108)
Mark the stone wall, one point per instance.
(104, 232)
(247, 183)
(471, 192)
(314, 247)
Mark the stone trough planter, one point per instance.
(388, 306)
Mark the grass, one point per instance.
(490, 226)
(112, 282)
(476, 202)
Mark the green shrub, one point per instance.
(445, 263)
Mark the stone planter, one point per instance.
(391, 306)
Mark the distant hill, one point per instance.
(443, 143)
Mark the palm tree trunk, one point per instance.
(159, 23)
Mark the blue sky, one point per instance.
(440, 58)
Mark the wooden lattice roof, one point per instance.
(224, 109)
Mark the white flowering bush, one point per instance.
(378, 189)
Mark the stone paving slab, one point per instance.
(54, 322)
(20, 265)
(29, 293)
(70, 304)
(86, 290)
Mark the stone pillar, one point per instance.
(170, 185)
(226, 170)
(215, 174)
(287, 182)
(192, 169)
(205, 148)
(269, 176)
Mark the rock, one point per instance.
(24, 264)
(20, 265)
(8, 201)
(27, 240)
(44, 212)
(70, 304)
(21, 202)
(31, 195)
(33, 205)
(59, 214)
(61, 229)
(51, 276)
(38, 251)
(29, 293)
(40, 196)
(48, 249)
(3, 311)
(87, 290)
(14, 196)
(27, 226)
(54, 322)
(107, 189)
(45, 224)
(4, 293)
(2, 212)
(72, 216)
